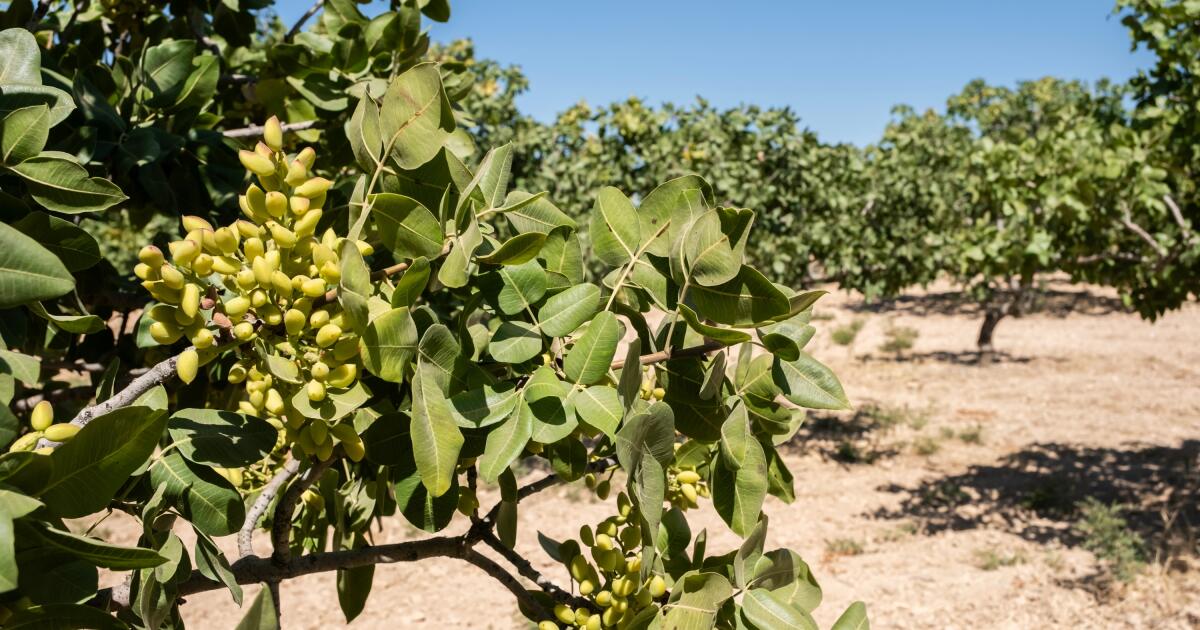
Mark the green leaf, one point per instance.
(13, 505)
(709, 259)
(764, 610)
(389, 344)
(412, 284)
(338, 403)
(749, 553)
(523, 286)
(60, 184)
(534, 215)
(20, 57)
(88, 470)
(855, 618)
(737, 438)
(353, 588)
(99, 552)
(406, 226)
(517, 250)
(485, 405)
(746, 300)
(515, 342)
(600, 407)
(436, 438)
(76, 248)
(505, 443)
(205, 498)
(23, 367)
(738, 494)
(261, 614)
(75, 324)
(28, 272)
(416, 118)
(63, 617)
(213, 564)
(354, 287)
(589, 359)
(23, 133)
(214, 437)
(616, 236)
(425, 511)
(362, 130)
(564, 312)
(548, 400)
(455, 268)
(563, 257)
(165, 70)
(695, 601)
(726, 336)
(658, 207)
(809, 383)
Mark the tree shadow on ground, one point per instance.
(968, 358)
(1053, 302)
(1035, 493)
(853, 439)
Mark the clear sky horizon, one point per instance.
(840, 66)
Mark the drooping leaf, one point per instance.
(505, 442)
(60, 184)
(100, 552)
(436, 438)
(76, 248)
(28, 272)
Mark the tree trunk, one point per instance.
(990, 319)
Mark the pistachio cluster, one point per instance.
(613, 583)
(684, 487)
(41, 419)
(267, 283)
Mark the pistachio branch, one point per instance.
(265, 497)
(281, 524)
(304, 18)
(256, 130)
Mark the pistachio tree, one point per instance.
(376, 325)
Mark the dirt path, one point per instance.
(948, 500)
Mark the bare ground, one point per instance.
(947, 500)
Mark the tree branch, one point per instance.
(655, 357)
(526, 570)
(256, 130)
(510, 582)
(157, 375)
(265, 497)
(304, 18)
(1178, 214)
(1144, 235)
(281, 524)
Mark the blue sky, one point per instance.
(840, 65)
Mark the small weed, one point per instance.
(887, 418)
(851, 453)
(1106, 534)
(843, 547)
(904, 530)
(946, 432)
(926, 446)
(991, 559)
(846, 334)
(898, 339)
(821, 316)
(1052, 495)
(973, 435)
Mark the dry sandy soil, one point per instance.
(947, 500)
